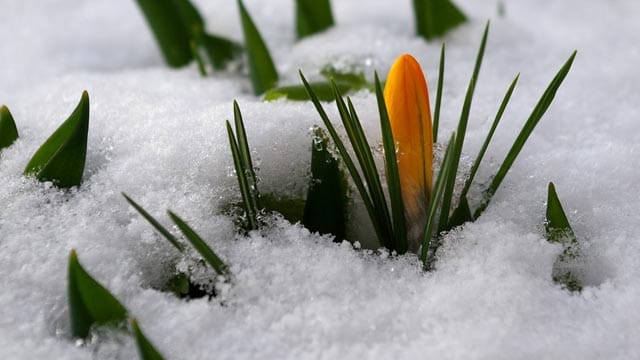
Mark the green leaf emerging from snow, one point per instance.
(8, 130)
(89, 302)
(325, 208)
(146, 350)
(62, 157)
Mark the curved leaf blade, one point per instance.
(146, 350)
(62, 157)
(262, 71)
(8, 129)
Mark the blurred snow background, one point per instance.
(158, 134)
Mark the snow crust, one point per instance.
(158, 135)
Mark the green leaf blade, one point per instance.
(155, 223)
(436, 112)
(393, 176)
(557, 225)
(325, 208)
(262, 71)
(146, 350)
(89, 302)
(171, 33)
(200, 245)
(8, 129)
(243, 182)
(461, 133)
(435, 17)
(312, 16)
(62, 157)
(537, 113)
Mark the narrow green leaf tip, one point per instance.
(312, 16)
(200, 245)
(557, 225)
(8, 129)
(161, 229)
(61, 158)
(146, 350)
(262, 71)
(89, 302)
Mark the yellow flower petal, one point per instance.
(407, 100)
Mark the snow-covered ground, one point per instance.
(158, 135)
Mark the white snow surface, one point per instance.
(158, 135)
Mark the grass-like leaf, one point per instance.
(537, 113)
(244, 168)
(460, 135)
(436, 112)
(428, 250)
(382, 232)
(393, 177)
(463, 212)
(312, 16)
(219, 50)
(435, 17)
(89, 302)
(325, 208)
(8, 129)
(200, 245)
(62, 157)
(161, 229)
(146, 350)
(169, 29)
(262, 72)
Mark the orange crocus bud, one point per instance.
(407, 100)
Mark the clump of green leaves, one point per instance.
(62, 157)
(559, 231)
(435, 17)
(8, 129)
(346, 81)
(180, 283)
(388, 221)
(179, 30)
(312, 16)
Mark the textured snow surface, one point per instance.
(158, 135)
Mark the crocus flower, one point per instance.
(407, 100)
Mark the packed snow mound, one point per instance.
(158, 135)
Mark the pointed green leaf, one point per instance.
(355, 80)
(89, 302)
(261, 69)
(245, 156)
(8, 130)
(537, 113)
(200, 245)
(325, 208)
(435, 17)
(557, 225)
(171, 33)
(245, 180)
(461, 133)
(428, 250)
(61, 158)
(161, 229)
(436, 112)
(312, 16)
(146, 350)
(393, 176)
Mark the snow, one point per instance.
(158, 135)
